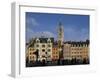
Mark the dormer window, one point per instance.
(49, 41)
(37, 41)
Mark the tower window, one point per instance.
(49, 41)
(37, 40)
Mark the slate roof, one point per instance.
(44, 40)
(80, 43)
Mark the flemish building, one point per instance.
(55, 54)
(40, 48)
(67, 51)
(44, 47)
(76, 50)
(31, 54)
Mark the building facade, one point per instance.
(55, 54)
(41, 49)
(31, 54)
(67, 51)
(44, 47)
(76, 50)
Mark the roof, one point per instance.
(80, 43)
(45, 40)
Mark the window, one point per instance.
(49, 50)
(49, 45)
(43, 50)
(30, 57)
(49, 41)
(30, 53)
(49, 56)
(43, 56)
(31, 49)
(37, 45)
(37, 41)
(43, 45)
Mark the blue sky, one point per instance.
(76, 27)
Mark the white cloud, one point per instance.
(31, 34)
(31, 22)
(48, 34)
(43, 34)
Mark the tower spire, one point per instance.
(60, 33)
(60, 40)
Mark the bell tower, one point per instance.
(60, 34)
(60, 40)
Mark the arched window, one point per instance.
(43, 45)
(43, 50)
(49, 50)
(49, 41)
(49, 45)
(37, 41)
